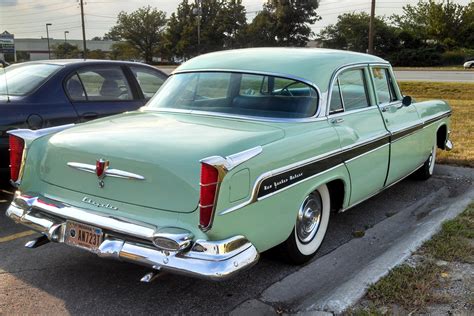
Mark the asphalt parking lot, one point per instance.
(60, 279)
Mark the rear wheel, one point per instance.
(310, 228)
(426, 171)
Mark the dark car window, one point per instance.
(105, 84)
(24, 78)
(383, 86)
(75, 89)
(150, 81)
(353, 89)
(336, 101)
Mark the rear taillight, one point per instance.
(209, 186)
(17, 145)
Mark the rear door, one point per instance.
(403, 122)
(97, 91)
(362, 133)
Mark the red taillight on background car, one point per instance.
(209, 185)
(17, 146)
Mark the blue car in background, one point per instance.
(48, 93)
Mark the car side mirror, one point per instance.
(406, 101)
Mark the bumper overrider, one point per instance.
(169, 249)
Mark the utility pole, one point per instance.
(47, 36)
(198, 12)
(84, 54)
(371, 28)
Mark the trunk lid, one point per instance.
(164, 148)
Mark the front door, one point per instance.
(362, 133)
(403, 122)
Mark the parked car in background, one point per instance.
(240, 151)
(48, 93)
(469, 64)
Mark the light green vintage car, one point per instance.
(239, 151)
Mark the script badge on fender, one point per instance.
(101, 166)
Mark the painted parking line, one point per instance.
(17, 235)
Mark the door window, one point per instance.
(150, 81)
(336, 100)
(74, 89)
(353, 89)
(105, 84)
(383, 85)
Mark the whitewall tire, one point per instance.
(310, 228)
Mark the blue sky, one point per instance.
(27, 18)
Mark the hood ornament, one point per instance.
(101, 169)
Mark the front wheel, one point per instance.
(310, 228)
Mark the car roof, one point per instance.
(68, 62)
(316, 65)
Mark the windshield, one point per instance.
(24, 78)
(237, 94)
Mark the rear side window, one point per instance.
(150, 81)
(75, 90)
(105, 84)
(353, 89)
(383, 85)
(22, 79)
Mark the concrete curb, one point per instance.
(316, 287)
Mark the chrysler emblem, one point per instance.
(101, 166)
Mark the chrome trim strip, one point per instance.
(230, 162)
(366, 153)
(30, 135)
(116, 173)
(253, 196)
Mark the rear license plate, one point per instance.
(83, 236)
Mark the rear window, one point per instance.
(22, 79)
(237, 94)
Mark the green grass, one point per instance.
(453, 243)
(460, 97)
(409, 287)
(413, 287)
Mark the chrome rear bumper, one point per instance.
(133, 241)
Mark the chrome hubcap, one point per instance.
(309, 218)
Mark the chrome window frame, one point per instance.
(392, 81)
(369, 87)
(316, 117)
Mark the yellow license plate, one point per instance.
(83, 236)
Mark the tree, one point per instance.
(124, 51)
(444, 23)
(222, 23)
(66, 50)
(351, 32)
(96, 54)
(142, 28)
(284, 23)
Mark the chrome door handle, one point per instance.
(337, 120)
(384, 108)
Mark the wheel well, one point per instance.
(441, 136)
(336, 193)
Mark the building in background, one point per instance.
(28, 49)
